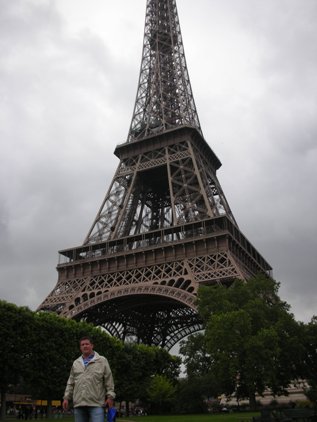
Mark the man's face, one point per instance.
(86, 347)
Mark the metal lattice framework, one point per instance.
(165, 226)
(156, 296)
(164, 98)
(161, 186)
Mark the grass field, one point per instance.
(231, 417)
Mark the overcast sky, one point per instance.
(68, 78)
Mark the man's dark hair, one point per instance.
(86, 338)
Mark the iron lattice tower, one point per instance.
(164, 227)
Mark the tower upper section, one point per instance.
(164, 98)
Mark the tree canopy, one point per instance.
(16, 338)
(39, 348)
(253, 340)
(161, 393)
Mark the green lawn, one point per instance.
(232, 417)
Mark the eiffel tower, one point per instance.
(165, 226)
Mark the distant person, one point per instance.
(90, 385)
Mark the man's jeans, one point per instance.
(89, 414)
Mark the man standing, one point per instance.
(90, 385)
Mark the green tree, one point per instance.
(165, 364)
(16, 330)
(194, 393)
(310, 359)
(136, 364)
(310, 343)
(39, 348)
(195, 356)
(55, 346)
(51, 355)
(161, 393)
(132, 369)
(251, 336)
(201, 385)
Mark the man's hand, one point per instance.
(65, 404)
(109, 402)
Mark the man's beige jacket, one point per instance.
(90, 385)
